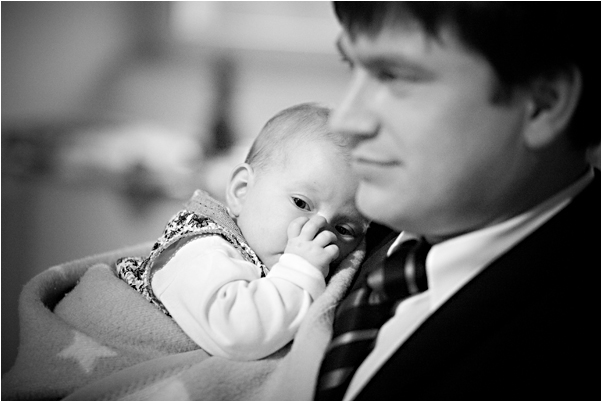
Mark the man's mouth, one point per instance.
(376, 162)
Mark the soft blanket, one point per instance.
(101, 340)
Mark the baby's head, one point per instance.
(296, 168)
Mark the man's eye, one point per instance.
(384, 76)
(344, 230)
(300, 203)
(402, 76)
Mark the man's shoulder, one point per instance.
(378, 236)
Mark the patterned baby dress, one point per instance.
(202, 216)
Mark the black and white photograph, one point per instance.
(301, 200)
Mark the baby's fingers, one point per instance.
(312, 227)
(324, 238)
(332, 251)
(294, 228)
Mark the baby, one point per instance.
(238, 279)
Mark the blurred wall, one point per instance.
(55, 55)
(92, 92)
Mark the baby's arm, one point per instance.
(224, 305)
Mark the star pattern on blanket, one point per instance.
(85, 351)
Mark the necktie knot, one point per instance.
(403, 273)
(364, 311)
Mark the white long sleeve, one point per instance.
(223, 304)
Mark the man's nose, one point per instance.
(354, 115)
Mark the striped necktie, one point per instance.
(363, 312)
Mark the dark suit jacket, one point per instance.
(527, 327)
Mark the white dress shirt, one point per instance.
(449, 266)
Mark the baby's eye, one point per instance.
(345, 231)
(301, 204)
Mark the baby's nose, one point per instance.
(327, 225)
(324, 222)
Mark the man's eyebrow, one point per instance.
(342, 53)
(383, 60)
(399, 63)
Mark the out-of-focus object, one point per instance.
(301, 26)
(140, 158)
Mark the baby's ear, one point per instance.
(236, 191)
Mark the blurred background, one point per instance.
(114, 112)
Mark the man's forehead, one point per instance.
(348, 40)
(402, 41)
(383, 45)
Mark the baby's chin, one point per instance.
(270, 260)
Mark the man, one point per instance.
(472, 122)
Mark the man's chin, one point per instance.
(370, 200)
(376, 204)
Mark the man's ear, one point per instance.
(236, 191)
(551, 105)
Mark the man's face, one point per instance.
(435, 155)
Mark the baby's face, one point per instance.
(314, 179)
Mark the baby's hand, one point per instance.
(305, 241)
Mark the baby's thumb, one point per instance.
(294, 228)
(351, 262)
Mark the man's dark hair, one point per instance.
(521, 40)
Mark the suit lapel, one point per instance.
(521, 277)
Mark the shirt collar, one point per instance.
(454, 262)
